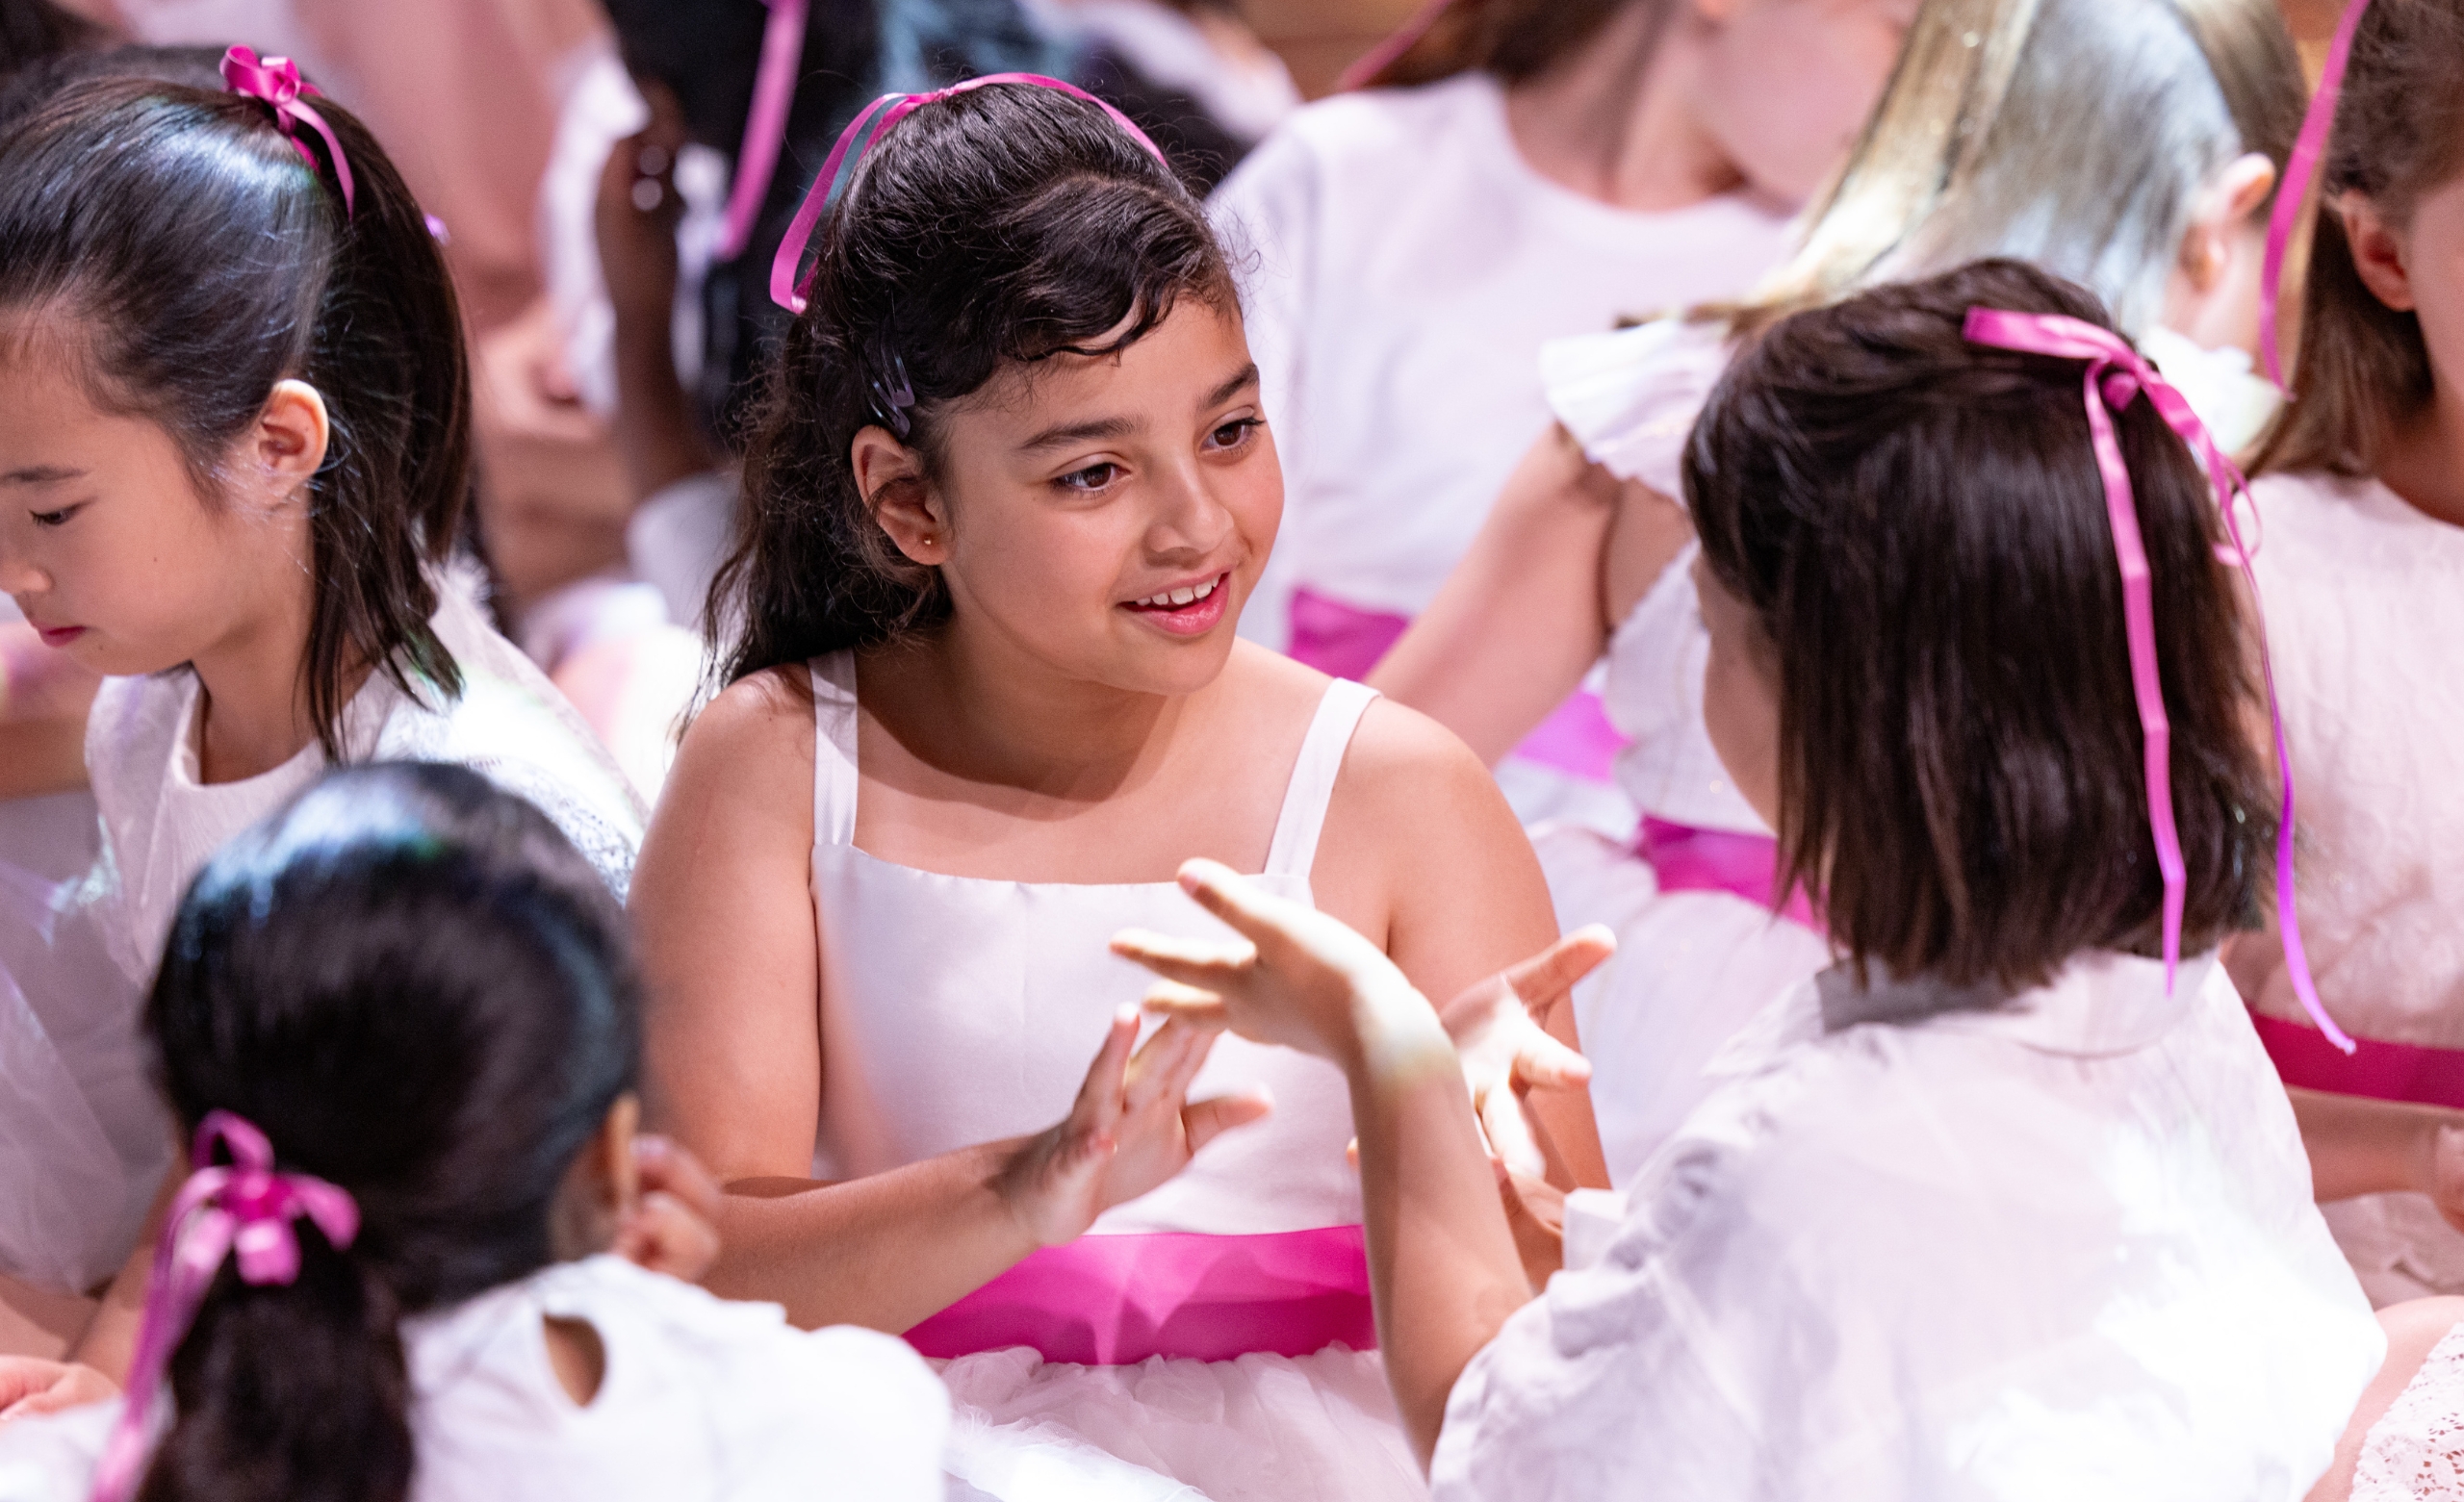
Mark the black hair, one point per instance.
(209, 261)
(1001, 226)
(35, 85)
(34, 30)
(708, 51)
(419, 991)
(1919, 524)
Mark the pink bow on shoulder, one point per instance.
(277, 82)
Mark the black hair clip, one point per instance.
(891, 402)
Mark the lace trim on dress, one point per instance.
(2416, 1452)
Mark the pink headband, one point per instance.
(880, 115)
(277, 81)
(765, 130)
(245, 1209)
(2117, 377)
(1386, 54)
(2292, 194)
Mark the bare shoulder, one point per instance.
(749, 751)
(1399, 753)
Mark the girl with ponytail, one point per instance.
(389, 1275)
(234, 465)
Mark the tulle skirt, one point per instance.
(1263, 1428)
(84, 1140)
(1691, 969)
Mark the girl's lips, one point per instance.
(1195, 619)
(59, 636)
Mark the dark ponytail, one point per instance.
(1004, 225)
(419, 992)
(208, 261)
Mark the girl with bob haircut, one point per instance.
(1010, 491)
(2008, 1202)
(400, 1023)
(2128, 144)
(235, 464)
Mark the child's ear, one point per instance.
(290, 440)
(891, 477)
(2222, 216)
(2377, 252)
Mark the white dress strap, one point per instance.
(1297, 827)
(833, 748)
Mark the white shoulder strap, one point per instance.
(1297, 828)
(833, 748)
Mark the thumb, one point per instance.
(1203, 1121)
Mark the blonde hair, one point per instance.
(2074, 134)
(2364, 366)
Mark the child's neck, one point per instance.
(252, 708)
(2425, 462)
(984, 709)
(1616, 128)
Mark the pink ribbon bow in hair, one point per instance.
(2118, 375)
(880, 115)
(243, 1210)
(277, 82)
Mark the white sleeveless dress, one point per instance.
(1180, 1348)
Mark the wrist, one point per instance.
(1397, 1039)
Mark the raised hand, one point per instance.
(1132, 1128)
(1507, 1055)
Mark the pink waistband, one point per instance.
(2377, 1071)
(1111, 1301)
(1687, 860)
(1347, 640)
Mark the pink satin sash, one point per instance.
(1347, 642)
(1687, 860)
(2413, 1072)
(1114, 1301)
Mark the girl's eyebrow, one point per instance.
(1243, 380)
(1067, 434)
(40, 474)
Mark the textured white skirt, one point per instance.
(1263, 1428)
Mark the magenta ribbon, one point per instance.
(880, 115)
(245, 1209)
(1685, 858)
(2292, 194)
(2118, 375)
(1386, 54)
(766, 129)
(277, 82)
(1118, 1299)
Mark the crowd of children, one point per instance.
(1583, 774)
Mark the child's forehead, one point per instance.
(1187, 354)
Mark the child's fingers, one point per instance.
(1203, 1121)
(667, 1167)
(1240, 903)
(1543, 1063)
(1509, 1134)
(1157, 1064)
(1098, 1104)
(1200, 962)
(1556, 970)
(666, 1235)
(1184, 1071)
(1187, 1003)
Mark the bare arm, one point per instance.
(2361, 1146)
(1419, 823)
(729, 942)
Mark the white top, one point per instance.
(702, 1399)
(2414, 1453)
(161, 825)
(2364, 610)
(958, 1010)
(1408, 264)
(2063, 1249)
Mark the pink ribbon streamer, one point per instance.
(2117, 377)
(765, 130)
(2293, 193)
(243, 1210)
(1386, 54)
(880, 115)
(277, 82)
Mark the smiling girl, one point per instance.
(1013, 489)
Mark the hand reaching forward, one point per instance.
(29, 1387)
(1302, 979)
(1132, 1128)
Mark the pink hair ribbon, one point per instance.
(245, 1209)
(2117, 377)
(2291, 195)
(765, 130)
(277, 82)
(1386, 54)
(880, 115)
